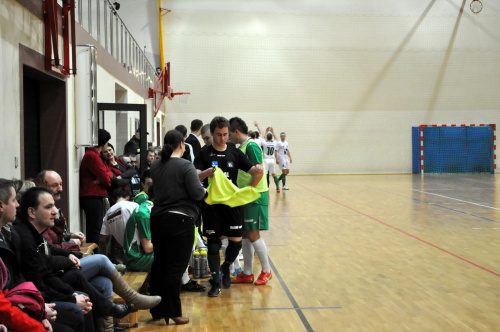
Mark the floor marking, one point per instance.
(305, 308)
(437, 205)
(406, 233)
(456, 199)
(290, 297)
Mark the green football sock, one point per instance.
(276, 181)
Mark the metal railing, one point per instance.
(100, 19)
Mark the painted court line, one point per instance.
(290, 297)
(406, 233)
(438, 205)
(456, 199)
(304, 308)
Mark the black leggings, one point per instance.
(93, 206)
(173, 238)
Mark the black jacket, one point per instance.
(42, 262)
(132, 146)
(10, 253)
(195, 143)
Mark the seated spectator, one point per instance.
(55, 271)
(64, 317)
(13, 317)
(98, 269)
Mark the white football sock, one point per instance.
(261, 250)
(185, 278)
(236, 263)
(248, 252)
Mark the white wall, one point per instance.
(346, 88)
(16, 26)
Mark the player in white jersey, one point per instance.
(282, 152)
(269, 160)
(115, 220)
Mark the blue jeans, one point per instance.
(96, 269)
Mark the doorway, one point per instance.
(44, 143)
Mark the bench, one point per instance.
(135, 281)
(87, 249)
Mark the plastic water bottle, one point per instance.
(204, 264)
(197, 264)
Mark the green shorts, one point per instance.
(139, 264)
(255, 214)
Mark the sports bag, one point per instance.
(28, 298)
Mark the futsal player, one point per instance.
(219, 219)
(282, 151)
(255, 214)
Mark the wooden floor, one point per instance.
(369, 253)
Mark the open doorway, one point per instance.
(44, 143)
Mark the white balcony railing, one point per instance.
(100, 19)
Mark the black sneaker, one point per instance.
(215, 290)
(226, 276)
(192, 286)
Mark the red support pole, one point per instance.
(48, 44)
(65, 27)
(73, 37)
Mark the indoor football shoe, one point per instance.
(215, 290)
(226, 276)
(264, 277)
(285, 188)
(243, 278)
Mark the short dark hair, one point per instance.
(145, 174)
(218, 122)
(42, 175)
(120, 192)
(111, 146)
(205, 128)
(5, 192)
(103, 136)
(196, 124)
(237, 123)
(31, 198)
(151, 149)
(251, 134)
(182, 129)
(269, 136)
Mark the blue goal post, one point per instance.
(454, 149)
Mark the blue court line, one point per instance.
(291, 298)
(305, 308)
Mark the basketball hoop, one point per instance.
(183, 99)
(476, 6)
(163, 89)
